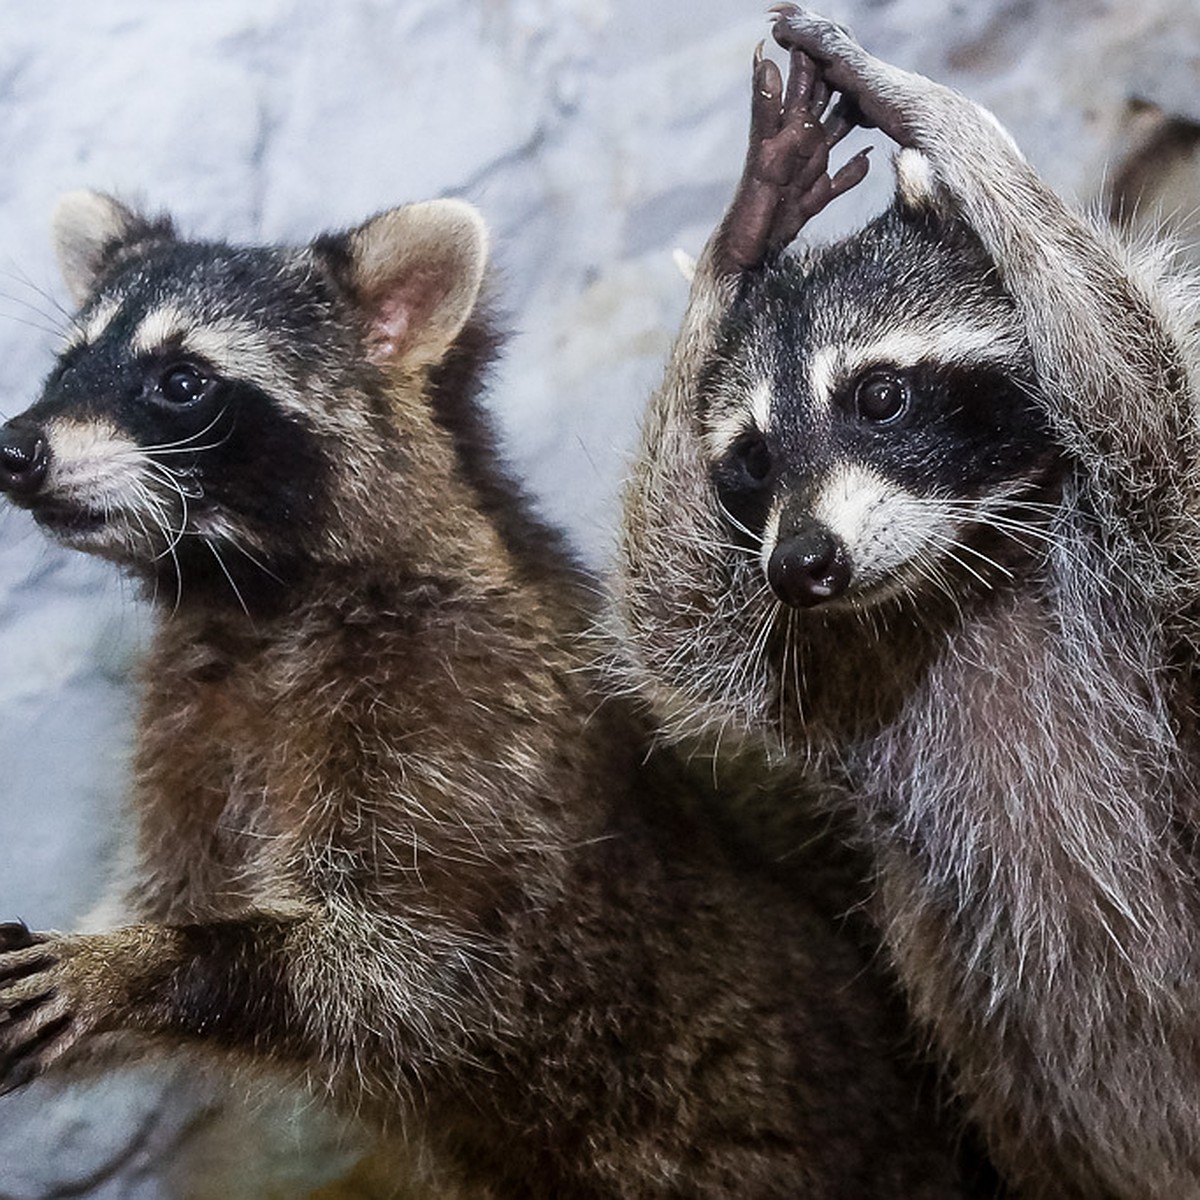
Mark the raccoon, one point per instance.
(393, 838)
(919, 510)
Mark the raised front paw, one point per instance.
(785, 180)
(37, 1023)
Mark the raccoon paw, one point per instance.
(785, 180)
(36, 1020)
(880, 95)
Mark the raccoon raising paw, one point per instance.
(920, 509)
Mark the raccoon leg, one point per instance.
(224, 982)
(1109, 342)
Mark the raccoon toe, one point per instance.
(29, 1044)
(17, 965)
(15, 935)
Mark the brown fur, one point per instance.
(394, 838)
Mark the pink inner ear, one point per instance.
(392, 318)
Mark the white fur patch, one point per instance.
(914, 178)
(95, 468)
(724, 428)
(760, 405)
(91, 329)
(883, 526)
(770, 535)
(685, 264)
(236, 349)
(92, 463)
(157, 328)
(824, 370)
(967, 345)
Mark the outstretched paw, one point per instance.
(36, 1019)
(786, 180)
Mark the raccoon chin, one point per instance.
(109, 535)
(71, 524)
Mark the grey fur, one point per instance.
(1022, 758)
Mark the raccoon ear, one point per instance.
(415, 273)
(90, 230)
(917, 188)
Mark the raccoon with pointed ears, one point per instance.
(392, 839)
(921, 510)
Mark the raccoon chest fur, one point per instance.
(200, 780)
(257, 741)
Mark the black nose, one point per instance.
(23, 459)
(808, 567)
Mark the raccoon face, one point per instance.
(210, 399)
(174, 426)
(871, 421)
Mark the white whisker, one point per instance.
(225, 571)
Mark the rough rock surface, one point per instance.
(596, 135)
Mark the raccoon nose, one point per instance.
(23, 459)
(808, 567)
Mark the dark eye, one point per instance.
(183, 383)
(881, 397)
(754, 455)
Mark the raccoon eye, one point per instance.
(754, 455)
(881, 397)
(183, 384)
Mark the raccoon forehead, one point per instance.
(90, 325)
(832, 366)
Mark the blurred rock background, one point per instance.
(596, 135)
